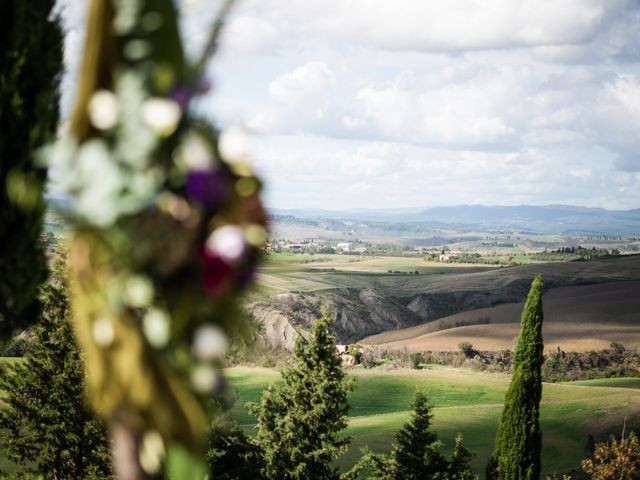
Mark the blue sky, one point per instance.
(373, 103)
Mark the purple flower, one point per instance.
(247, 276)
(207, 187)
(182, 95)
(216, 273)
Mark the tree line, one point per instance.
(47, 429)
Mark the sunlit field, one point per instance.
(465, 402)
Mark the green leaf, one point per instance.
(182, 465)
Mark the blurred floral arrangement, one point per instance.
(168, 229)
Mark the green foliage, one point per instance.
(616, 460)
(568, 254)
(300, 421)
(516, 454)
(232, 455)
(416, 453)
(416, 359)
(30, 69)
(46, 427)
(615, 361)
(467, 349)
(16, 348)
(355, 350)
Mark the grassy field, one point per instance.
(299, 272)
(609, 382)
(306, 272)
(466, 402)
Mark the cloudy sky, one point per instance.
(405, 103)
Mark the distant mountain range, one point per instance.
(557, 219)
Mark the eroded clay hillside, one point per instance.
(367, 303)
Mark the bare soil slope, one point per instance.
(577, 318)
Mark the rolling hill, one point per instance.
(596, 300)
(577, 318)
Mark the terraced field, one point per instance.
(466, 402)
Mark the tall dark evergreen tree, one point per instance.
(416, 453)
(300, 422)
(44, 426)
(516, 455)
(30, 69)
(417, 449)
(231, 454)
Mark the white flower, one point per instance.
(161, 114)
(228, 242)
(103, 332)
(256, 235)
(205, 378)
(194, 153)
(156, 327)
(138, 291)
(152, 451)
(59, 157)
(99, 180)
(210, 343)
(234, 145)
(103, 109)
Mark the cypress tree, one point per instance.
(299, 422)
(45, 426)
(30, 69)
(516, 455)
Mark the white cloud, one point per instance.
(378, 103)
(453, 26)
(359, 174)
(248, 34)
(309, 80)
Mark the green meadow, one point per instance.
(465, 402)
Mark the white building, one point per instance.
(344, 247)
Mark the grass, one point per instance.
(609, 382)
(306, 272)
(283, 273)
(463, 401)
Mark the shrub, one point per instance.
(416, 360)
(616, 460)
(467, 349)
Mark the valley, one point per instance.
(588, 304)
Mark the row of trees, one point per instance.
(46, 428)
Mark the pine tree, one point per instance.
(30, 70)
(232, 455)
(516, 455)
(300, 422)
(459, 464)
(45, 425)
(416, 453)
